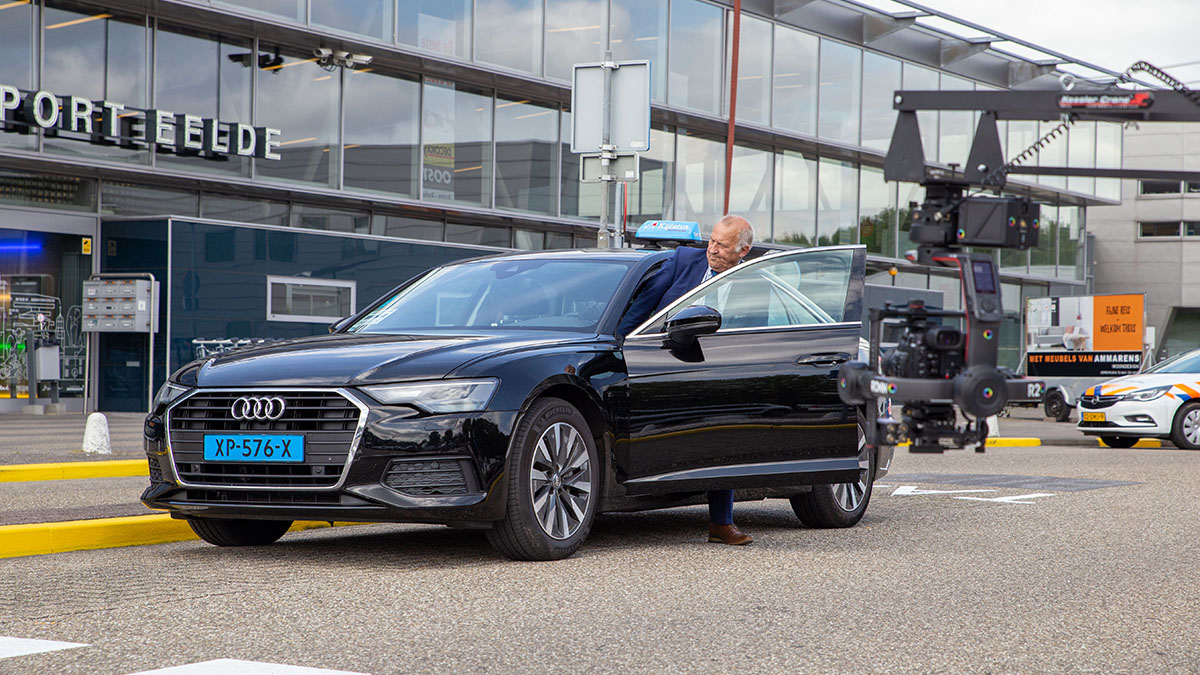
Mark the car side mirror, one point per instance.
(339, 324)
(690, 323)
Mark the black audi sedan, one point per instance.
(492, 393)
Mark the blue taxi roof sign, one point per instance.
(669, 230)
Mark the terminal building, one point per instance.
(278, 164)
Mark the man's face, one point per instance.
(723, 250)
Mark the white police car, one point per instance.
(1162, 401)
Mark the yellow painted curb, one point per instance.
(998, 442)
(84, 535)
(114, 468)
(1143, 443)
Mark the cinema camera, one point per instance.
(937, 368)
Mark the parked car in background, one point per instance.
(1162, 401)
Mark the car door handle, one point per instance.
(830, 359)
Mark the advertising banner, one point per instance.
(1084, 336)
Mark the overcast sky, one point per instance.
(1108, 33)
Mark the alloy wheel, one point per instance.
(850, 495)
(560, 480)
(1191, 426)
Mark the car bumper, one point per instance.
(1129, 418)
(402, 468)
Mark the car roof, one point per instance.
(601, 254)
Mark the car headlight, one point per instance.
(441, 396)
(1146, 394)
(167, 394)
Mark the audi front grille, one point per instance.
(329, 419)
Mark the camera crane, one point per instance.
(934, 368)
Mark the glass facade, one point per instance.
(837, 203)
(298, 95)
(696, 67)
(508, 33)
(639, 31)
(456, 143)
(881, 78)
(795, 199)
(526, 156)
(840, 92)
(574, 30)
(794, 92)
(754, 71)
(442, 27)
(381, 145)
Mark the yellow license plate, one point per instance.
(1093, 417)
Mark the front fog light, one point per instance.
(437, 397)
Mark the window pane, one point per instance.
(1159, 187)
(291, 9)
(754, 71)
(579, 200)
(696, 48)
(841, 87)
(794, 94)
(457, 143)
(1167, 229)
(652, 196)
(300, 98)
(321, 218)
(508, 33)
(1042, 258)
(526, 156)
(1081, 153)
(837, 203)
(574, 29)
(795, 200)
(408, 228)
(751, 188)
(1108, 156)
(1053, 153)
(558, 240)
(877, 212)
(238, 209)
(700, 185)
(440, 26)
(478, 234)
(199, 75)
(365, 17)
(956, 128)
(381, 132)
(529, 240)
(25, 188)
(917, 78)
(17, 28)
(907, 194)
(309, 300)
(1191, 228)
(127, 199)
(1070, 250)
(881, 79)
(639, 31)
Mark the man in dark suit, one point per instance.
(730, 241)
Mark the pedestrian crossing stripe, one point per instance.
(13, 646)
(226, 666)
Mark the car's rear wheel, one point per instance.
(840, 504)
(1055, 406)
(553, 483)
(1120, 441)
(1185, 432)
(231, 532)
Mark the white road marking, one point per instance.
(1014, 499)
(11, 646)
(909, 490)
(227, 666)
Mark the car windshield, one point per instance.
(1188, 362)
(522, 293)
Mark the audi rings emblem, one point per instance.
(262, 408)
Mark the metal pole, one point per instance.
(31, 366)
(604, 238)
(733, 87)
(87, 367)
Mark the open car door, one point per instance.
(755, 403)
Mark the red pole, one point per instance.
(733, 80)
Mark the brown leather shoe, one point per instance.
(727, 534)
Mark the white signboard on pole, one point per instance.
(630, 107)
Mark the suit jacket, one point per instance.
(682, 272)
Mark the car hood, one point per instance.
(356, 359)
(1128, 383)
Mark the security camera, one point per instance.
(359, 59)
(322, 52)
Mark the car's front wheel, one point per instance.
(1055, 406)
(1120, 441)
(840, 504)
(236, 532)
(553, 483)
(1185, 431)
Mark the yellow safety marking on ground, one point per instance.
(1143, 443)
(997, 442)
(84, 535)
(114, 468)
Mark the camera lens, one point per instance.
(943, 338)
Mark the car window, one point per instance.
(1184, 363)
(804, 290)
(534, 294)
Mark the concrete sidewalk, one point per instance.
(39, 439)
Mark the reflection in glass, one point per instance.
(795, 199)
(1010, 339)
(881, 79)
(243, 210)
(751, 187)
(794, 94)
(956, 128)
(457, 143)
(529, 240)
(574, 29)
(17, 28)
(1070, 248)
(579, 200)
(1081, 153)
(322, 218)
(381, 133)
(25, 188)
(909, 196)
(202, 76)
(291, 9)
(841, 89)
(558, 240)
(365, 17)
(479, 235)
(1053, 153)
(694, 80)
(754, 71)
(639, 32)
(300, 98)
(837, 203)
(129, 199)
(526, 156)
(408, 228)
(877, 216)
(1021, 136)
(917, 78)
(1043, 256)
(508, 33)
(651, 197)
(1108, 156)
(99, 57)
(700, 181)
(439, 26)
